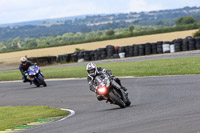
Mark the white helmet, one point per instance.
(91, 69)
(23, 60)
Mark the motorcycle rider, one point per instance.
(93, 71)
(23, 67)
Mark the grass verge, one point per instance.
(179, 66)
(11, 117)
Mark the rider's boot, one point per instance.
(100, 98)
(123, 88)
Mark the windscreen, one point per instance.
(100, 79)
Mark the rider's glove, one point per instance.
(92, 88)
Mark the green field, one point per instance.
(179, 66)
(11, 117)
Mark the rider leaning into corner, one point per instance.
(23, 67)
(93, 71)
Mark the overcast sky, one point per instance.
(26, 10)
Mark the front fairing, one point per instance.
(102, 81)
(33, 71)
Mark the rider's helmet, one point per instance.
(91, 69)
(24, 60)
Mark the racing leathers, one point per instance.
(23, 67)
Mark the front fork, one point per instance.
(123, 95)
(36, 77)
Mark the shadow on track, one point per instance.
(116, 108)
(31, 87)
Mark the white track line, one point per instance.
(72, 112)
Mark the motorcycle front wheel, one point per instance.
(128, 102)
(116, 99)
(42, 81)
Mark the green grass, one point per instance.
(11, 117)
(179, 66)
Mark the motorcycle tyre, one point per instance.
(42, 81)
(36, 83)
(116, 100)
(128, 102)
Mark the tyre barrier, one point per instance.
(126, 48)
(74, 57)
(116, 56)
(110, 51)
(197, 42)
(86, 55)
(185, 44)
(136, 50)
(141, 49)
(42, 61)
(191, 43)
(130, 51)
(97, 55)
(148, 49)
(122, 49)
(154, 48)
(159, 47)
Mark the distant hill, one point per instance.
(85, 24)
(44, 21)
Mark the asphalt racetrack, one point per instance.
(169, 104)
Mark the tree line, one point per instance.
(76, 38)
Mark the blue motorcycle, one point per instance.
(36, 76)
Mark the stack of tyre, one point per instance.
(61, 58)
(51, 59)
(110, 50)
(130, 51)
(74, 57)
(197, 40)
(97, 55)
(191, 43)
(180, 45)
(154, 48)
(42, 61)
(80, 56)
(159, 47)
(135, 50)
(148, 50)
(102, 53)
(141, 49)
(87, 56)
